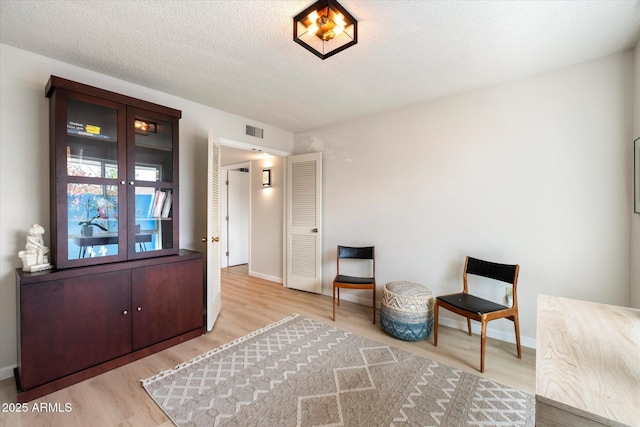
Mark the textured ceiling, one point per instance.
(238, 56)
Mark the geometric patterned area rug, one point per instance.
(300, 372)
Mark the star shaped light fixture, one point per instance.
(325, 28)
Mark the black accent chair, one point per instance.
(355, 282)
(482, 310)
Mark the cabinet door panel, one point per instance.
(88, 149)
(167, 301)
(152, 165)
(71, 324)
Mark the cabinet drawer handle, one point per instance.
(139, 308)
(125, 312)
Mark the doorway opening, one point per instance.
(235, 208)
(252, 221)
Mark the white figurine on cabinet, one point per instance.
(34, 257)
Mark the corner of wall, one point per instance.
(634, 280)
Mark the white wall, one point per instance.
(267, 213)
(635, 218)
(534, 172)
(24, 164)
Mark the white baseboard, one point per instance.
(266, 277)
(458, 324)
(7, 372)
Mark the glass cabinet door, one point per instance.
(92, 225)
(153, 151)
(153, 159)
(88, 175)
(92, 140)
(114, 176)
(153, 219)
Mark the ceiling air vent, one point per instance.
(254, 131)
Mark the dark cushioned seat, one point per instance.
(354, 280)
(472, 303)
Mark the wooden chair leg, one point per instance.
(374, 304)
(333, 302)
(483, 344)
(338, 297)
(435, 324)
(469, 326)
(517, 327)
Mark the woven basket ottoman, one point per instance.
(406, 311)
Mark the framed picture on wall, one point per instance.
(636, 177)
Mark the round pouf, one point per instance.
(406, 310)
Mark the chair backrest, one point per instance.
(358, 253)
(365, 253)
(503, 272)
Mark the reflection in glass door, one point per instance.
(91, 176)
(154, 193)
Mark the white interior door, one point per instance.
(214, 299)
(304, 221)
(238, 216)
(224, 212)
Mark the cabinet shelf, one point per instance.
(87, 135)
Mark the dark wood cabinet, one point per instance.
(122, 289)
(114, 176)
(80, 322)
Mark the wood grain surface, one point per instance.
(587, 363)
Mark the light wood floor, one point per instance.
(116, 398)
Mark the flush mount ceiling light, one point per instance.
(325, 28)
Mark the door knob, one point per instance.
(315, 230)
(215, 239)
(204, 240)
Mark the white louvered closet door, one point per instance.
(304, 232)
(214, 299)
